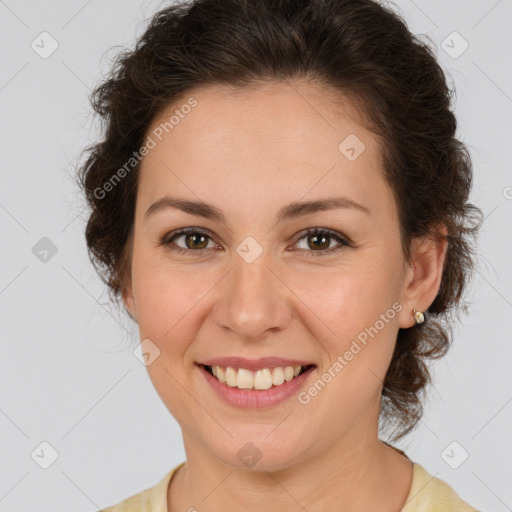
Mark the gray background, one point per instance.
(68, 377)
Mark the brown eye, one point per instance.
(319, 241)
(194, 241)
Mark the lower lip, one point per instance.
(256, 399)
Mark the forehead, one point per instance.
(279, 112)
(277, 141)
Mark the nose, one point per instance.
(254, 299)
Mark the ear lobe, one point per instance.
(429, 255)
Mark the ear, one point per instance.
(129, 301)
(423, 278)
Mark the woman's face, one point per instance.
(258, 285)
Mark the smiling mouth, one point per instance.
(265, 378)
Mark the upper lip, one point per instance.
(254, 364)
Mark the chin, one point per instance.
(261, 452)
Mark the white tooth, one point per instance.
(288, 373)
(262, 379)
(231, 377)
(244, 379)
(278, 376)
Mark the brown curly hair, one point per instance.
(358, 47)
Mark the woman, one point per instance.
(279, 199)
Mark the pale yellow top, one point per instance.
(427, 494)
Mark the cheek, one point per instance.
(362, 314)
(358, 307)
(168, 304)
(168, 300)
(351, 298)
(336, 303)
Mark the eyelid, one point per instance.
(331, 232)
(343, 240)
(166, 239)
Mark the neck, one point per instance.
(362, 475)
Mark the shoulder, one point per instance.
(152, 499)
(431, 494)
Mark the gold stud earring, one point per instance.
(419, 317)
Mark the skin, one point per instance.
(249, 153)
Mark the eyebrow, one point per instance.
(291, 211)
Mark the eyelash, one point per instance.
(169, 238)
